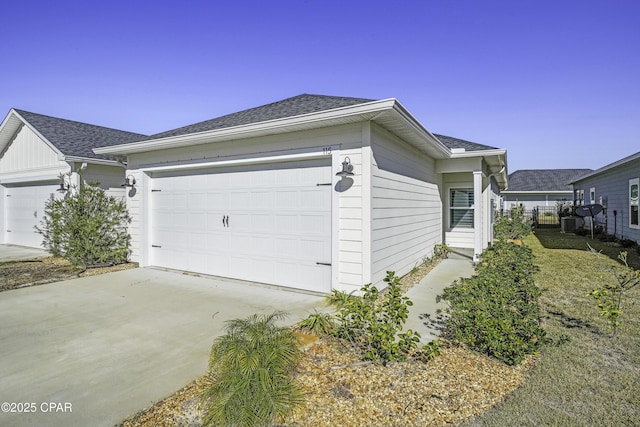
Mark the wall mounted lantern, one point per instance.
(347, 168)
(65, 184)
(129, 181)
(64, 187)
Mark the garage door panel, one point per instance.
(275, 223)
(24, 207)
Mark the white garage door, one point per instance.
(24, 207)
(268, 223)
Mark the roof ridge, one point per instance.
(297, 105)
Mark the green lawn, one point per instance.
(594, 378)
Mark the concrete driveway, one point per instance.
(95, 350)
(20, 253)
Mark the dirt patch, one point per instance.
(21, 274)
(454, 387)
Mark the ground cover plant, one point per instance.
(589, 377)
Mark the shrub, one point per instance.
(611, 295)
(318, 323)
(253, 366)
(496, 311)
(88, 228)
(373, 321)
(512, 226)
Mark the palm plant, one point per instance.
(253, 366)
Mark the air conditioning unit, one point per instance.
(569, 224)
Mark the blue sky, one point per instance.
(556, 83)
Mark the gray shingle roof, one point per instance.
(76, 138)
(451, 142)
(290, 107)
(544, 179)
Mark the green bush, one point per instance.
(373, 321)
(512, 226)
(253, 366)
(88, 228)
(318, 323)
(496, 311)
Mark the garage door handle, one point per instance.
(323, 263)
(225, 221)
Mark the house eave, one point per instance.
(608, 167)
(91, 160)
(387, 113)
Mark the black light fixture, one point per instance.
(129, 181)
(64, 185)
(347, 168)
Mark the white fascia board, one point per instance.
(90, 160)
(39, 135)
(480, 153)
(365, 111)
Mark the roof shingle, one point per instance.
(544, 179)
(290, 107)
(75, 138)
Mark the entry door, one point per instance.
(268, 223)
(25, 209)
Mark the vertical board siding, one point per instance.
(134, 205)
(350, 226)
(406, 206)
(27, 152)
(613, 185)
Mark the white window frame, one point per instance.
(634, 203)
(470, 208)
(592, 195)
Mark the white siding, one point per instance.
(27, 152)
(109, 177)
(531, 201)
(612, 186)
(351, 232)
(406, 207)
(347, 220)
(3, 228)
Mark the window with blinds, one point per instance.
(461, 208)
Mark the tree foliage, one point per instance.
(87, 228)
(610, 296)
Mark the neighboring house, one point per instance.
(259, 195)
(534, 188)
(34, 151)
(615, 187)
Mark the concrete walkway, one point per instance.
(94, 350)
(423, 315)
(20, 253)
